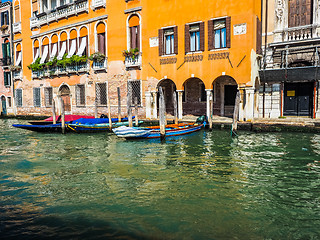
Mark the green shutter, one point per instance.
(5, 77)
(4, 50)
(8, 49)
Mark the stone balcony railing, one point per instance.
(98, 4)
(133, 62)
(60, 12)
(99, 65)
(16, 27)
(59, 70)
(17, 74)
(297, 33)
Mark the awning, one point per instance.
(62, 50)
(72, 48)
(295, 74)
(82, 46)
(54, 50)
(36, 55)
(44, 54)
(19, 58)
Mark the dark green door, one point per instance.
(4, 106)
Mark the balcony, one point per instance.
(16, 27)
(133, 62)
(60, 70)
(297, 33)
(60, 12)
(99, 65)
(98, 4)
(17, 75)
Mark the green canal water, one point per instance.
(201, 186)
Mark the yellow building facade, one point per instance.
(83, 51)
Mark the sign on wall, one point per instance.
(154, 42)
(240, 29)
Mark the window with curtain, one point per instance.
(220, 33)
(169, 41)
(194, 37)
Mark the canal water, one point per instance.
(202, 186)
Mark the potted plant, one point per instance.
(132, 53)
(97, 57)
(4, 27)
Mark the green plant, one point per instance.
(36, 65)
(14, 68)
(97, 57)
(52, 63)
(4, 27)
(132, 53)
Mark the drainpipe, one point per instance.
(12, 57)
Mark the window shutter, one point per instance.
(259, 36)
(6, 20)
(175, 36)
(2, 18)
(160, 36)
(102, 43)
(202, 36)
(4, 50)
(228, 30)
(210, 35)
(5, 78)
(187, 38)
(138, 37)
(308, 12)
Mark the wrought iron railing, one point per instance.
(99, 65)
(133, 61)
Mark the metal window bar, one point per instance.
(101, 94)
(36, 97)
(48, 96)
(80, 95)
(135, 88)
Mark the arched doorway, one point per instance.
(168, 88)
(225, 89)
(3, 105)
(64, 92)
(194, 97)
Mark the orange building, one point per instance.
(82, 51)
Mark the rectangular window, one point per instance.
(135, 88)
(169, 41)
(48, 96)
(19, 97)
(80, 95)
(36, 97)
(102, 43)
(194, 37)
(7, 79)
(5, 18)
(101, 94)
(220, 34)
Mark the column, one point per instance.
(208, 91)
(154, 113)
(318, 101)
(241, 110)
(180, 108)
(148, 96)
(250, 103)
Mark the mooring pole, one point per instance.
(210, 110)
(54, 117)
(129, 97)
(119, 104)
(63, 122)
(109, 110)
(136, 111)
(162, 115)
(175, 107)
(235, 115)
(96, 107)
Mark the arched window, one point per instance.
(36, 50)
(62, 44)
(134, 32)
(17, 11)
(72, 43)
(18, 55)
(101, 38)
(83, 42)
(54, 46)
(44, 50)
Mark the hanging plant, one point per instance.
(36, 65)
(52, 63)
(132, 53)
(4, 27)
(97, 57)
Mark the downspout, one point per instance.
(12, 55)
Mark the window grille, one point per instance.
(135, 88)
(101, 94)
(36, 97)
(48, 96)
(19, 97)
(80, 95)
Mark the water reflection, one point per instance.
(203, 186)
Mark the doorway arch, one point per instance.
(3, 105)
(194, 97)
(168, 88)
(64, 92)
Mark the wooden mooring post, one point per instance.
(136, 109)
(175, 107)
(63, 121)
(235, 115)
(109, 110)
(162, 115)
(96, 107)
(119, 104)
(129, 98)
(210, 110)
(54, 117)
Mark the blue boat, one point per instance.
(98, 127)
(154, 131)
